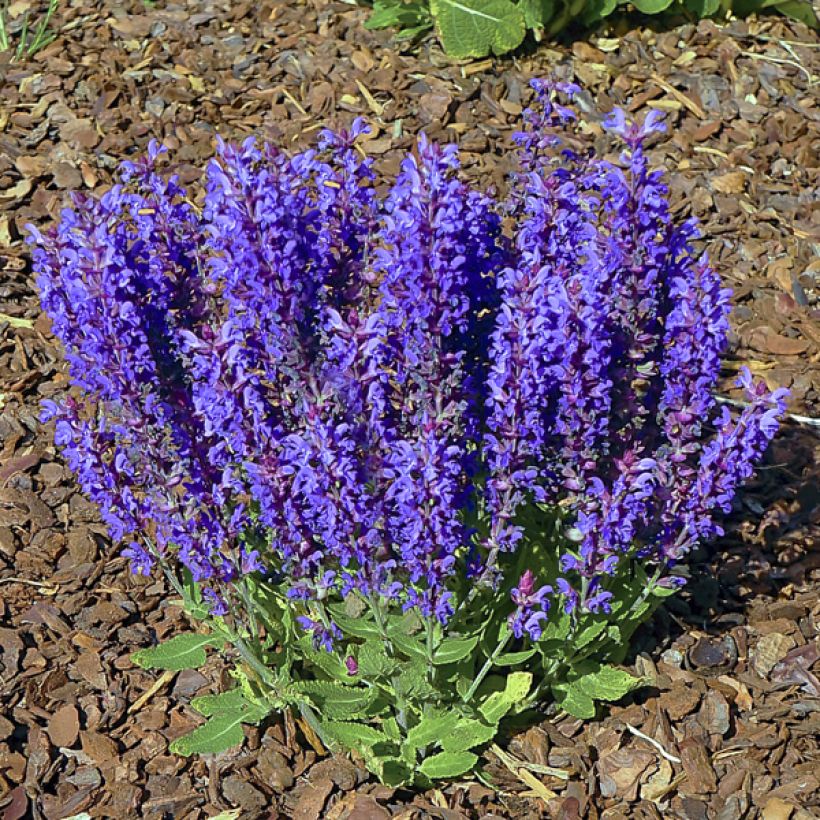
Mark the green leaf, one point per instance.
(414, 31)
(474, 28)
(467, 734)
(801, 11)
(448, 764)
(373, 660)
(607, 683)
(337, 702)
(230, 701)
(411, 680)
(181, 652)
(354, 735)
(588, 634)
(219, 733)
(384, 15)
(512, 658)
(387, 13)
(409, 645)
(329, 663)
(454, 649)
(573, 701)
(391, 728)
(394, 772)
(651, 6)
(499, 703)
(664, 592)
(357, 627)
(431, 729)
(537, 13)
(703, 8)
(596, 10)
(557, 630)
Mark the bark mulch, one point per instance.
(729, 728)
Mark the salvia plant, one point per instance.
(418, 461)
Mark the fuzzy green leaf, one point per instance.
(703, 8)
(557, 630)
(391, 728)
(573, 701)
(373, 660)
(326, 661)
(453, 650)
(467, 734)
(219, 733)
(512, 658)
(357, 627)
(354, 735)
(606, 683)
(537, 13)
(474, 28)
(181, 652)
(432, 729)
(588, 634)
(230, 701)
(664, 592)
(337, 702)
(405, 16)
(409, 645)
(800, 10)
(394, 772)
(651, 6)
(597, 10)
(448, 764)
(499, 703)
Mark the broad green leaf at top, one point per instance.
(475, 28)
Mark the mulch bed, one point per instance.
(730, 727)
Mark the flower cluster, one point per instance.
(355, 393)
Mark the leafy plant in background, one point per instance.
(29, 42)
(417, 473)
(475, 28)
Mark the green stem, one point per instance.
(647, 590)
(487, 667)
(401, 706)
(431, 669)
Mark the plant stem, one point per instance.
(431, 670)
(490, 662)
(401, 707)
(647, 590)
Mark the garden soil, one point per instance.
(729, 724)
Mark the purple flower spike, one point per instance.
(347, 388)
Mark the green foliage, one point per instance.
(473, 28)
(448, 764)
(29, 41)
(476, 28)
(181, 652)
(226, 713)
(421, 701)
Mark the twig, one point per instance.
(680, 97)
(16, 321)
(520, 769)
(48, 589)
(663, 753)
(780, 61)
(812, 422)
(166, 677)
